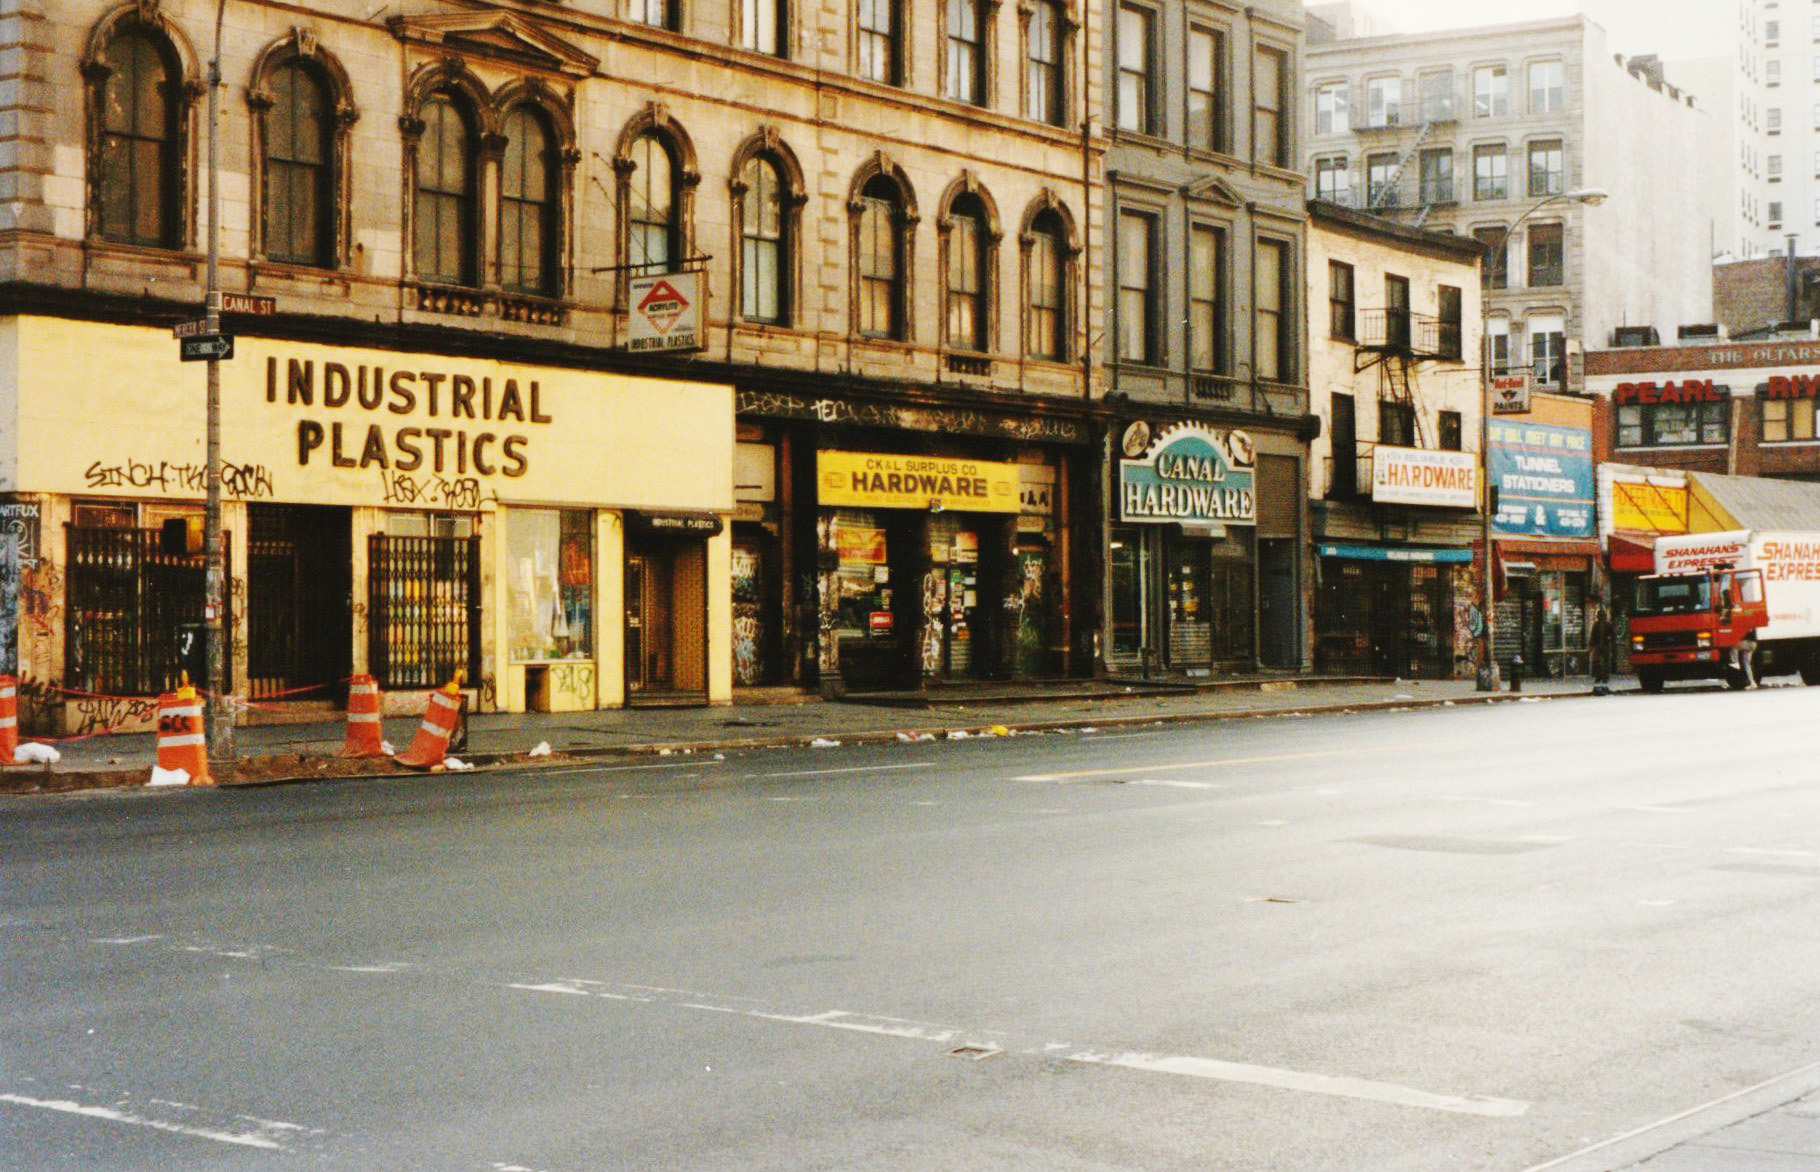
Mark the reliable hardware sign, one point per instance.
(1192, 476)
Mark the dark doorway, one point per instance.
(300, 623)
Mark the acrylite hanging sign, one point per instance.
(666, 313)
(1192, 476)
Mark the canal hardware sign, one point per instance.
(1191, 476)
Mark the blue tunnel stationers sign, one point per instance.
(1544, 478)
(1191, 476)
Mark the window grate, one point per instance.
(128, 605)
(423, 609)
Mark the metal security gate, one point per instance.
(423, 609)
(130, 610)
(299, 619)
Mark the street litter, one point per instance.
(1090, 729)
(386, 748)
(997, 730)
(455, 764)
(33, 753)
(823, 743)
(169, 777)
(958, 734)
(542, 750)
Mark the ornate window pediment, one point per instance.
(1212, 187)
(496, 36)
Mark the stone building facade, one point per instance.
(1482, 131)
(798, 308)
(1206, 360)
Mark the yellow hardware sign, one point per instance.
(880, 481)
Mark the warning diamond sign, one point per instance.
(665, 312)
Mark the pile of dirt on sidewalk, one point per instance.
(247, 771)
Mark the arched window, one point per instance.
(881, 259)
(1048, 282)
(967, 273)
(299, 193)
(445, 210)
(653, 237)
(528, 209)
(764, 253)
(139, 191)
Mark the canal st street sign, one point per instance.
(250, 304)
(1191, 476)
(1421, 476)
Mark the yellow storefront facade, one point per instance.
(557, 535)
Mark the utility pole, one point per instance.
(220, 730)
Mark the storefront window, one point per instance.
(1669, 424)
(862, 591)
(1130, 575)
(550, 587)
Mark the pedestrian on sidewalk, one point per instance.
(1598, 640)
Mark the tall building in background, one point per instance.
(1485, 132)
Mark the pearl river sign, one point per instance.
(1192, 476)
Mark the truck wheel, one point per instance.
(1737, 679)
(1650, 679)
(1741, 672)
(1810, 670)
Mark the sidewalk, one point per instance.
(300, 751)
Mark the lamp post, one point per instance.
(1488, 664)
(220, 730)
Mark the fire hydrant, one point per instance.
(1516, 673)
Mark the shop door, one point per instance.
(666, 622)
(1387, 595)
(951, 602)
(1277, 607)
(299, 602)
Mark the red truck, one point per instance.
(1735, 606)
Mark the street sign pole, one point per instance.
(220, 730)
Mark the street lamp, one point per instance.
(220, 730)
(1488, 664)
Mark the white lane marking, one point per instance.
(1657, 809)
(1296, 1080)
(386, 969)
(853, 769)
(1259, 759)
(1772, 854)
(259, 1137)
(1511, 802)
(1099, 736)
(947, 1035)
(1175, 784)
(127, 939)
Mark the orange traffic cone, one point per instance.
(181, 744)
(363, 719)
(431, 744)
(9, 719)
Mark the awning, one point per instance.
(1633, 553)
(1379, 553)
(1571, 556)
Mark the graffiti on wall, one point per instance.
(432, 491)
(952, 420)
(240, 481)
(572, 685)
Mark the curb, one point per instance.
(494, 761)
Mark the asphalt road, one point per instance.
(1480, 938)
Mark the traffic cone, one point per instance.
(363, 719)
(9, 719)
(431, 744)
(181, 744)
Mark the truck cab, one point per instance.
(1698, 625)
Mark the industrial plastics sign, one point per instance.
(1192, 476)
(1544, 478)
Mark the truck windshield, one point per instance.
(1688, 595)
